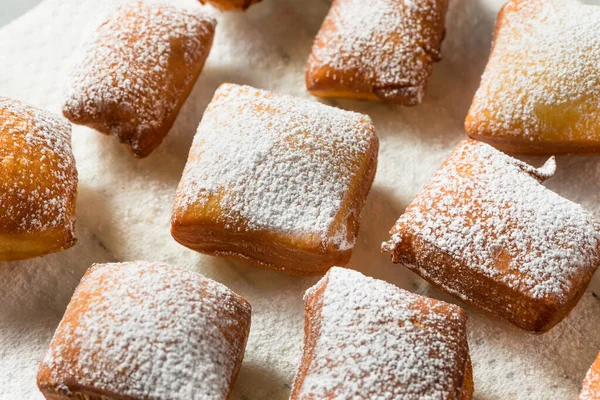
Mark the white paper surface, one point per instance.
(124, 204)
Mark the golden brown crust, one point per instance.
(313, 304)
(140, 330)
(483, 292)
(380, 50)
(259, 249)
(480, 231)
(468, 387)
(207, 214)
(538, 93)
(320, 375)
(231, 5)
(135, 92)
(591, 384)
(38, 182)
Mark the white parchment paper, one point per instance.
(124, 204)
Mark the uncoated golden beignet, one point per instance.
(230, 5)
(486, 230)
(275, 181)
(540, 92)
(367, 339)
(38, 182)
(145, 330)
(137, 71)
(377, 49)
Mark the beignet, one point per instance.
(38, 182)
(485, 230)
(367, 339)
(591, 384)
(137, 71)
(377, 50)
(230, 5)
(275, 181)
(142, 330)
(540, 91)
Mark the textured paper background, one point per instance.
(124, 204)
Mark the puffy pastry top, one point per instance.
(376, 341)
(489, 211)
(149, 330)
(276, 162)
(129, 63)
(38, 178)
(387, 43)
(543, 75)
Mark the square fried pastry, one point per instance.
(540, 91)
(136, 72)
(367, 339)
(230, 5)
(38, 182)
(486, 230)
(377, 50)
(275, 181)
(142, 330)
(591, 384)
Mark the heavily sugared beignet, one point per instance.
(377, 50)
(487, 231)
(142, 330)
(591, 384)
(137, 71)
(367, 339)
(275, 181)
(38, 182)
(540, 91)
(230, 5)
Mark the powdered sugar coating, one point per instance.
(542, 81)
(136, 70)
(38, 177)
(386, 46)
(277, 163)
(376, 341)
(146, 330)
(508, 364)
(489, 212)
(591, 384)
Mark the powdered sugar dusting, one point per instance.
(388, 45)
(545, 64)
(591, 384)
(123, 205)
(483, 205)
(376, 341)
(38, 178)
(136, 68)
(278, 163)
(148, 330)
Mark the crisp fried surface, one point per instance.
(377, 50)
(142, 330)
(136, 72)
(38, 182)
(487, 231)
(275, 181)
(591, 384)
(367, 339)
(230, 5)
(540, 91)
